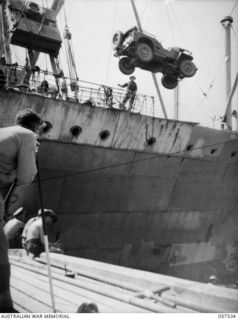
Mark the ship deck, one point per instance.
(113, 288)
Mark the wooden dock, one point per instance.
(113, 288)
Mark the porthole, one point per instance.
(104, 134)
(233, 154)
(214, 150)
(75, 131)
(151, 141)
(45, 127)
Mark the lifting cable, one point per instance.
(178, 25)
(23, 5)
(110, 49)
(46, 242)
(22, 13)
(234, 33)
(170, 23)
(204, 36)
(233, 7)
(69, 52)
(205, 96)
(145, 8)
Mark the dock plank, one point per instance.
(28, 302)
(75, 295)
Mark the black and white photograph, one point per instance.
(119, 159)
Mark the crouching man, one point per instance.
(35, 235)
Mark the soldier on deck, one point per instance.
(130, 93)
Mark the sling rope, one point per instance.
(158, 156)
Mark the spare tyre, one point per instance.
(144, 52)
(117, 39)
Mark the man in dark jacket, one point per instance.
(130, 93)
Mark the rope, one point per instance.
(21, 9)
(46, 243)
(205, 97)
(9, 193)
(144, 9)
(70, 57)
(233, 7)
(204, 35)
(22, 13)
(234, 33)
(170, 24)
(110, 49)
(177, 153)
(178, 25)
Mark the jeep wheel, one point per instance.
(144, 52)
(187, 68)
(117, 39)
(169, 81)
(125, 66)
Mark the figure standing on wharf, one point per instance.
(18, 146)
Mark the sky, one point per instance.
(190, 24)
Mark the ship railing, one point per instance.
(44, 83)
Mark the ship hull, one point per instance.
(170, 207)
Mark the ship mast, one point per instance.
(227, 23)
(152, 73)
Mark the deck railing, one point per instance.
(44, 83)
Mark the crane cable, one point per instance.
(233, 7)
(69, 52)
(110, 49)
(170, 23)
(46, 242)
